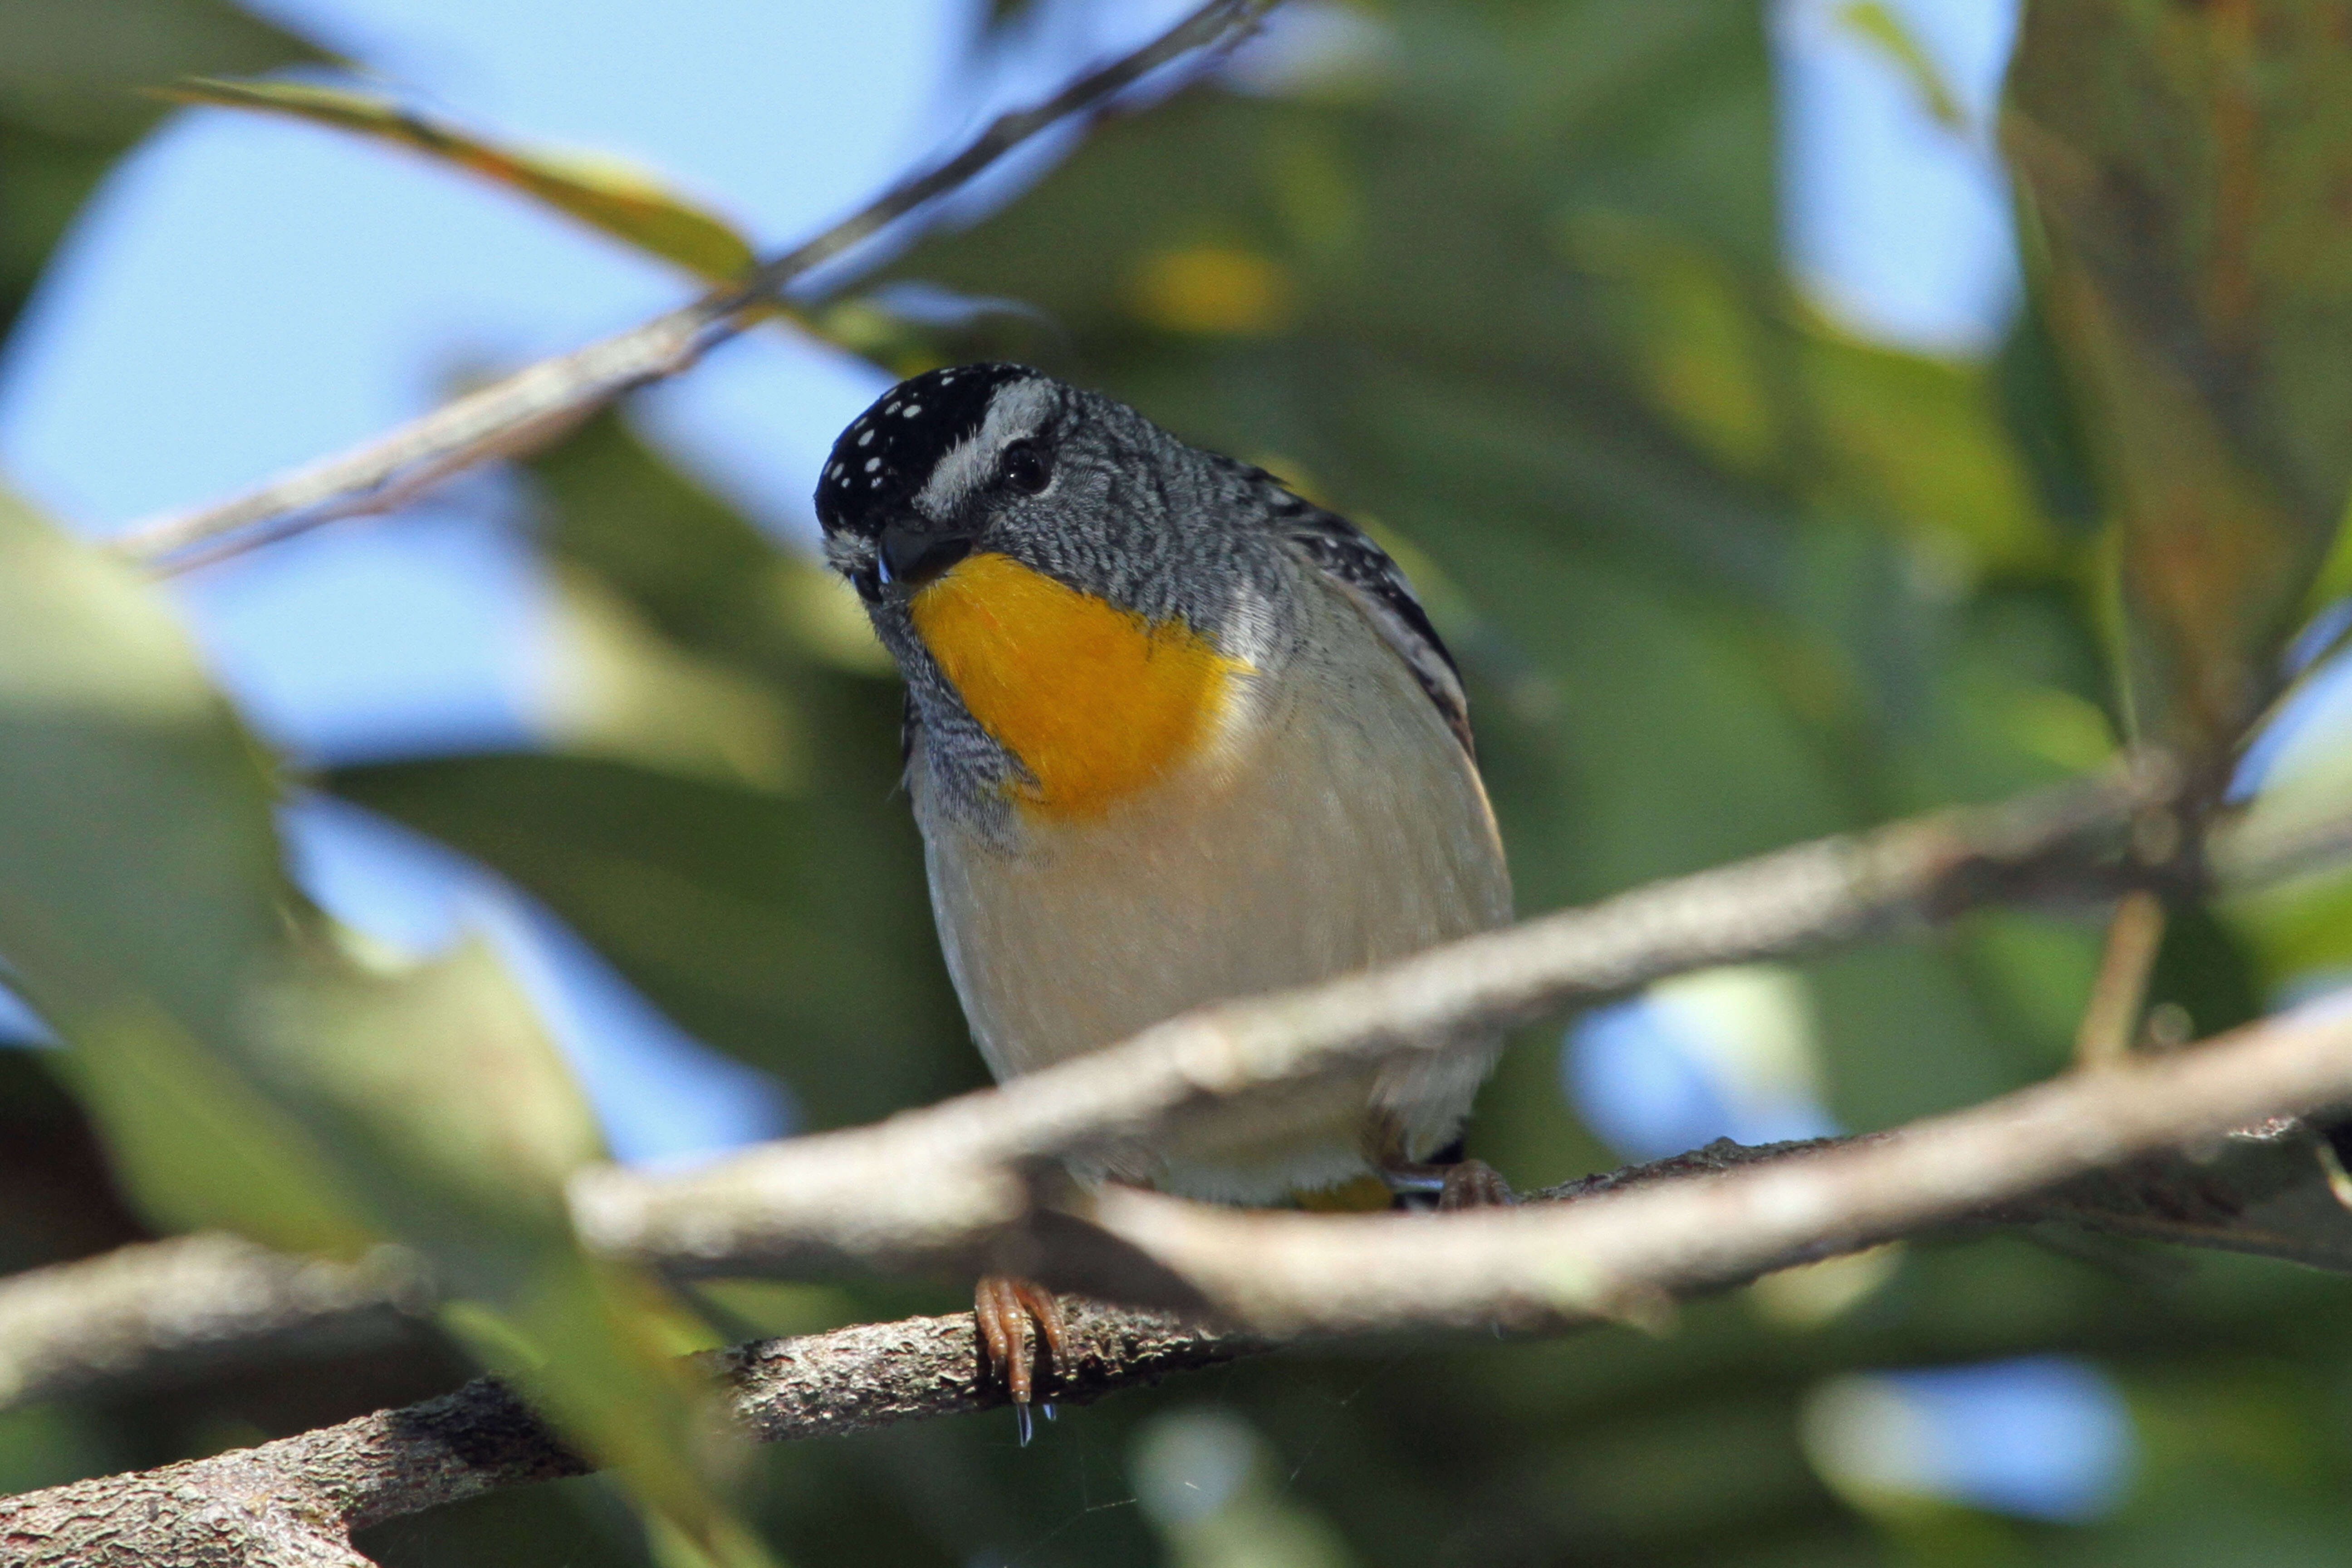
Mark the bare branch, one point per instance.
(947, 1185)
(944, 1182)
(535, 405)
(1542, 1264)
(953, 1187)
(292, 1503)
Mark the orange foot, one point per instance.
(1005, 1309)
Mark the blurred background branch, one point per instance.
(179, 1305)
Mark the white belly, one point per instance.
(1338, 826)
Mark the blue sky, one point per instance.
(1898, 223)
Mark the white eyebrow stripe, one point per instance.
(1017, 409)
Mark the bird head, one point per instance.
(1051, 565)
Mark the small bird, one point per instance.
(1173, 735)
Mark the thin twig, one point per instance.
(536, 404)
(1216, 27)
(2111, 1018)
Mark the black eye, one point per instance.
(1024, 467)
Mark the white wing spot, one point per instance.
(871, 464)
(911, 410)
(867, 439)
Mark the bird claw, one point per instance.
(1006, 1310)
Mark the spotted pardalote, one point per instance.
(1173, 734)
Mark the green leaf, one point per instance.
(608, 195)
(2300, 930)
(1700, 345)
(251, 1065)
(1921, 442)
(1760, 384)
(2183, 165)
(627, 203)
(2333, 580)
(143, 909)
(140, 895)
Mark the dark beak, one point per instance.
(913, 554)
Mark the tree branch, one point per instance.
(184, 1305)
(537, 403)
(859, 1197)
(948, 1183)
(295, 1502)
(949, 1186)
(1549, 1264)
(973, 1152)
(1620, 1246)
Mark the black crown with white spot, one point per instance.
(886, 455)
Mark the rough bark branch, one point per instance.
(295, 1502)
(536, 405)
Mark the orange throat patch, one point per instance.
(1095, 701)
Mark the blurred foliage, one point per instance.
(1721, 576)
(252, 1066)
(627, 203)
(69, 73)
(2186, 167)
